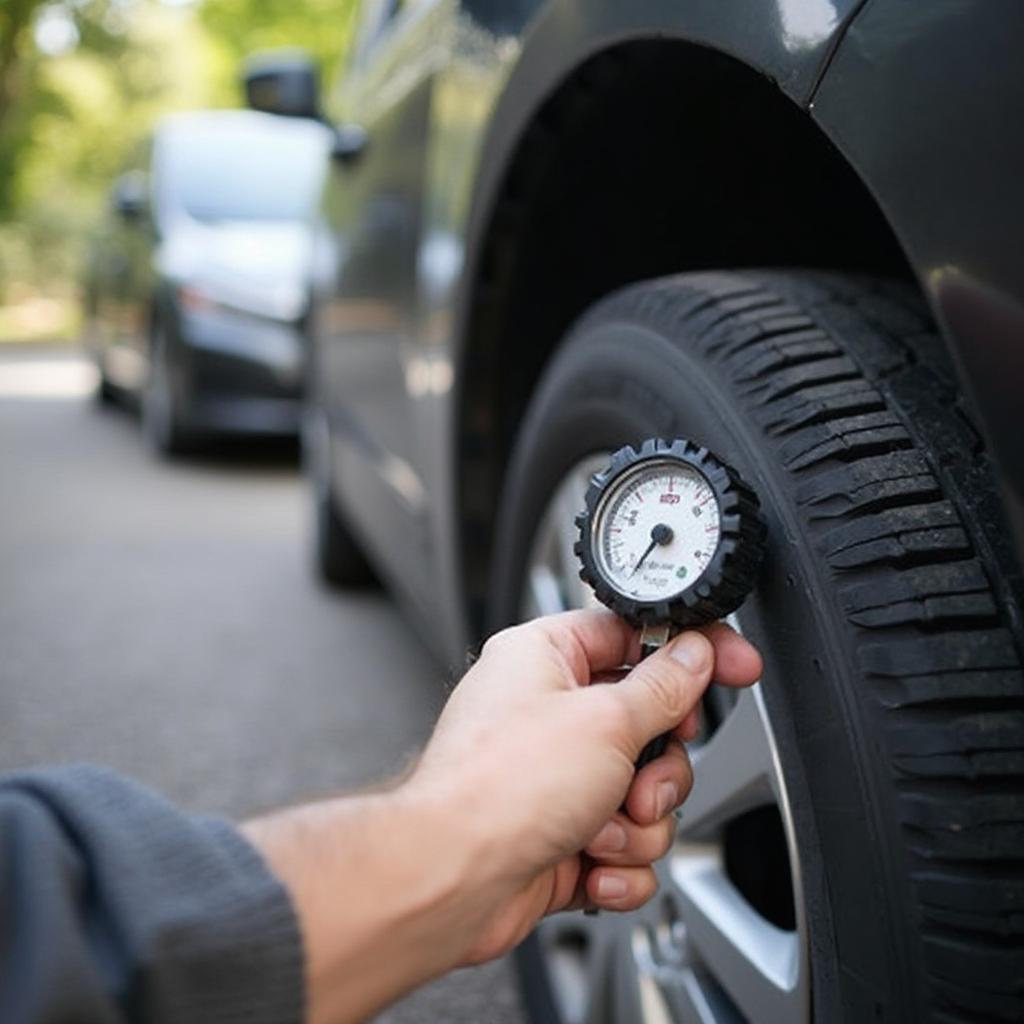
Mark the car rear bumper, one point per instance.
(242, 374)
(245, 415)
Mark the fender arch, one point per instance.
(653, 156)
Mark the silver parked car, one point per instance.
(198, 285)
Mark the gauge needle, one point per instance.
(661, 534)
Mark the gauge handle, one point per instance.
(652, 638)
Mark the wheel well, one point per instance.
(651, 158)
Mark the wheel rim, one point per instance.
(553, 582)
(708, 948)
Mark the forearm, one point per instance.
(380, 886)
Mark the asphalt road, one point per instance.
(162, 619)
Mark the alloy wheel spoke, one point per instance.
(666, 986)
(733, 771)
(578, 951)
(757, 964)
(692, 1001)
(640, 996)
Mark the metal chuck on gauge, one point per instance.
(671, 537)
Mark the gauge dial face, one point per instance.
(656, 529)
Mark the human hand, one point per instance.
(512, 813)
(534, 757)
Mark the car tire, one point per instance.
(888, 615)
(163, 423)
(106, 392)
(337, 555)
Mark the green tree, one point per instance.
(242, 27)
(16, 18)
(15, 25)
(71, 114)
(72, 117)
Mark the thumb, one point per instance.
(662, 690)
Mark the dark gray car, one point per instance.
(792, 231)
(198, 286)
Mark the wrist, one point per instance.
(450, 841)
(438, 858)
(384, 888)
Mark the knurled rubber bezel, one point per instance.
(732, 571)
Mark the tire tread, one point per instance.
(890, 475)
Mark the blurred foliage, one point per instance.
(82, 83)
(241, 27)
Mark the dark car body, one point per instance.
(524, 158)
(560, 227)
(208, 246)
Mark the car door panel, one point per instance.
(366, 327)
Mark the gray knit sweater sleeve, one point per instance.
(116, 907)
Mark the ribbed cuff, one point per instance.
(183, 919)
(244, 961)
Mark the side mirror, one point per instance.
(348, 143)
(129, 198)
(282, 82)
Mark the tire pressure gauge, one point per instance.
(670, 537)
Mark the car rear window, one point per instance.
(243, 168)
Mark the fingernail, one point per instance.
(666, 797)
(611, 887)
(692, 651)
(611, 839)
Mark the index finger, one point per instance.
(592, 640)
(737, 661)
(596, 640)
